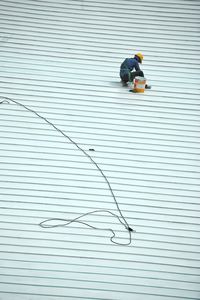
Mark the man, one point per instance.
(127, 67)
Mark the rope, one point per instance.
(121, 219)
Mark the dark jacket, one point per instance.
(130, 64)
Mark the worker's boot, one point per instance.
(124, 83)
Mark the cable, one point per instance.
(44, 224)
(121, 219)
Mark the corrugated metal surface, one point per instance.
(61, 59)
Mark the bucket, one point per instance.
(139, 84)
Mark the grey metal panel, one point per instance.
(61, 59)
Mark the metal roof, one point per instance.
(73, 141)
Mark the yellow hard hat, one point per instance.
(140, 56)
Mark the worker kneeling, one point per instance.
(130, 70)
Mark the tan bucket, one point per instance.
(139, 84)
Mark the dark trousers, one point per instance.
(126, 75)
